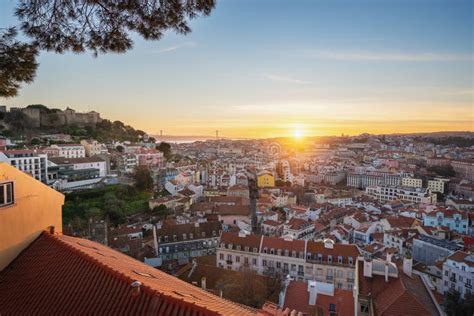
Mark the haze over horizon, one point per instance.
(272, 68)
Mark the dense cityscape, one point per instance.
(237, 157)
(367, 224)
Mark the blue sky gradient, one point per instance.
(265, 68)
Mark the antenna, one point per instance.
(217, 134)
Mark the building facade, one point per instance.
(300, 259)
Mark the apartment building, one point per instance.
(391, 193)
(300, 259)
(364, 180)
(428, 250)
(30, 161)
(464, 168)
(93, 148)
(184, 241)
(458, 273)
(70, 150)
(437, 185)
(412, 183)
(456, 220)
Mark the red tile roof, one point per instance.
(280, 243)
(402, 295)
(297, 298)
(59, 274)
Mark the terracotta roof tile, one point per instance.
(64, 275)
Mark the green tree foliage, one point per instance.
(165, 148)
(17, 63)
(457, 141)
(113, 202)
(454, 305)
(87, 25)
(143, 179)
(443, 171)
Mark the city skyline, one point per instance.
(320, 68)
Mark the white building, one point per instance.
(391, 193)
(437, 184)
(412, 183)
(458, 273)
(70, 150)
(29, 161)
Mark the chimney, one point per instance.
(155, 241)
(386, 271)
(368, 267)
(407, 264)
(389, 257)
(136, 288)
(51, 229)
(203, 283)
(312, 293)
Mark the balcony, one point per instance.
(229, 261)
(350, 280)
(300, 273)
(452, 279)
(329, 277)
(468, 286)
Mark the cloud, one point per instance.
(285, 79)
(401, 57)
(176, 47)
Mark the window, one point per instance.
(339, 259)
(237, 258)
(278, 265)
(6, 194)
(330, 259)
(264, 263)
(221, 256)
(350, 260)
(246, 260)
(254, 261)
(229, 257)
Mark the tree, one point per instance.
(456, 306)
(17, 63)
(143, 179)
(443, 171)
(80, 25)
(165, 148)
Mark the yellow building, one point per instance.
(27, 207)
(265, 179)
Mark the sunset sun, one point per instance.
(297, 133)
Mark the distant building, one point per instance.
(183, 242)
(455, 220)
(412, 182)
(301, 259)
(437, 185)
(458, 273)
(31, 161)
(391, 193)
(428, 249)
(265, 179)
(70, 150)
(93, 148)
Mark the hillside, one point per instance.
(37, 119)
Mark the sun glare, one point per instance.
(297, 133)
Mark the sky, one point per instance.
(272, 68)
